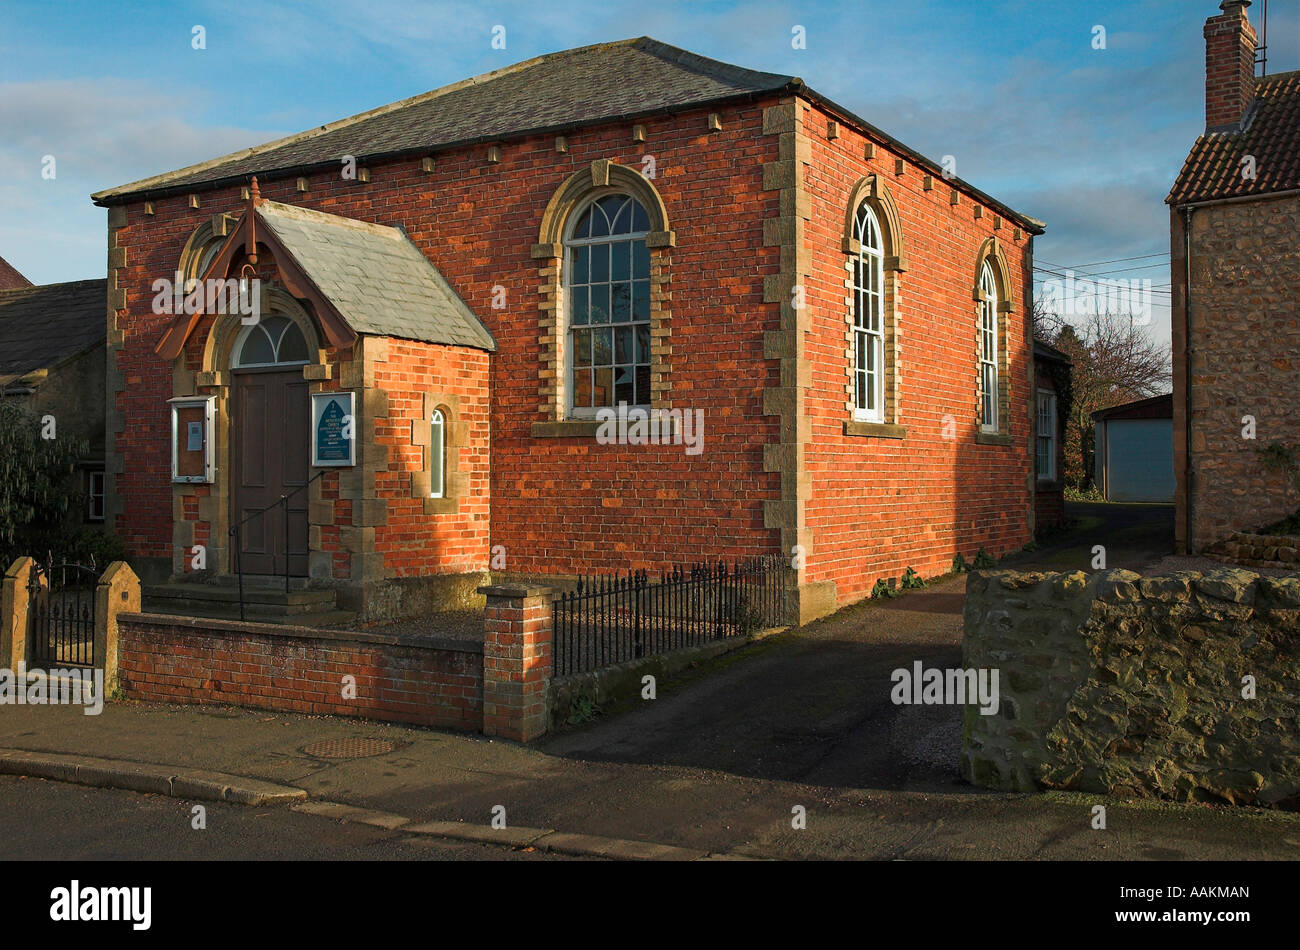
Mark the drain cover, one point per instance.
(349, 748)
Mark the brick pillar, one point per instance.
(516, 661)
(118, 592)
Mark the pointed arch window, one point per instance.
(988, 351)
(868, 318)
(607, 268)
(437, 455)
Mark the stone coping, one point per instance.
(1229, 584)
(287, 632)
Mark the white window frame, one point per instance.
(209, 407)
(869, 301)
(990, 392)
(570, 347)
(1046, 401)
(437, 455)
(93, 476)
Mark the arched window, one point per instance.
(868, 318)
(607, 283)
(203, 245)
(272, 341)
(988, 350)
(437, 456)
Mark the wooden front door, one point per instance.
(271, 422)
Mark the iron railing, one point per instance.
(62, 614)
(610, 620)
(237, 540)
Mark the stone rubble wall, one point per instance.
(1133, 686)
(1259, 550)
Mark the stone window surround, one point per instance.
(601, 178)
(455, 482)
(991, 252)
(874, 192)
(214, 231)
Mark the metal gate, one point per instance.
(61, 617)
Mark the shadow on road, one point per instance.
(814, 706)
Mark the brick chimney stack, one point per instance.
(1230, 44)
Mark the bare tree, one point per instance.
(1115, 361)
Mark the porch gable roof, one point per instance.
(361, 278)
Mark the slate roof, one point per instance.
(1048, 352)
(10, 278)
(1270, 133)
(590, 85)
(44, 325)
(377, 279)
(583, 86)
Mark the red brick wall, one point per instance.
(412, 542)
(570, 505)
(182, 660)
(558, 505)
(879, 506)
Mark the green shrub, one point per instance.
(912, 580)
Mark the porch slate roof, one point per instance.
(44, 325)
(378, 280)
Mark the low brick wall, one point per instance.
(421, 680)
(1126, 685)
(1259, 550)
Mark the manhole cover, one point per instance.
(349, 748)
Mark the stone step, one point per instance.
(295, 601)
(323, 616)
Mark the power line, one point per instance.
(1120, 260)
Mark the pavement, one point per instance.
(720, 765)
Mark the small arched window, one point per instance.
(437, 455)
(272, 341)
(868, 318)
(608, 292)
(988, 350)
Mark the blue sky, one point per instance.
(1088, 140)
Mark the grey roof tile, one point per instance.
(42, 326)
(570, 88)
(397, 292)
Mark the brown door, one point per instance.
(271, 425)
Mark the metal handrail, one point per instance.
(237, 537)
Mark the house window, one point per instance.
(608, 293)
(868, 319)
(988, 347)
(1046, 436)
(437, 456)
(95, 494)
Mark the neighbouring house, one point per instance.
(52, 360)
(1134, 459)
(1053, 397)
(1235, 244)
(834, 333)
(10, 279)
